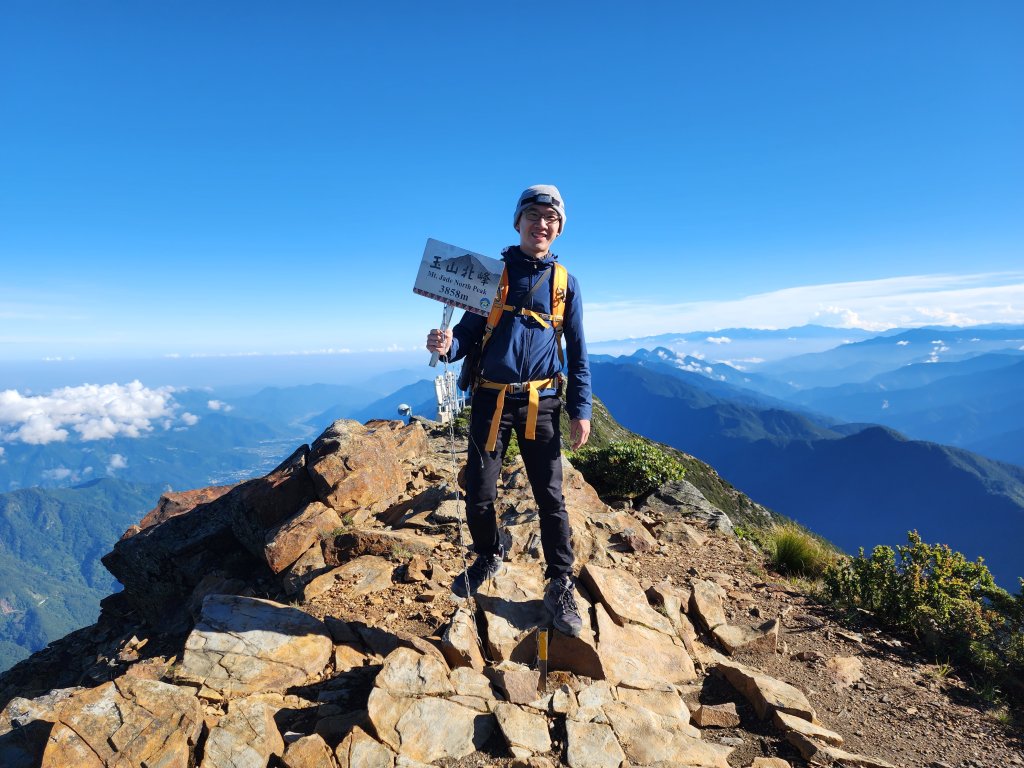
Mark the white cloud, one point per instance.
(902, 343)
(740, 363)
(92, 411)
(218, 405)
(1, 450)
(843, 317)
(190, 419)
(60, 473)
(718, 340)
(905, 302)
(117, 461)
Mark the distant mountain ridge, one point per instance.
(857, 486)
(861, 360)
(974, 402)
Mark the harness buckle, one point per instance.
(518, 388)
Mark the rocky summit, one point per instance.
(304, 619)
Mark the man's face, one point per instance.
(539, 225)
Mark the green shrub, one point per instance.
(460, 424)
(950, 604)
(626, 469)
(512, 451)
(795, 552)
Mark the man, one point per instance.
(522, 353)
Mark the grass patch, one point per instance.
(792, 551)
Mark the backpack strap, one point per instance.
(559, 292)
(497, 308)
(559, 287)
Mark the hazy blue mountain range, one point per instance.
(972, 402)
(976, 403)
(662, 358)
(860, 361)
(51, 579)
(858, 486)
(745, 348)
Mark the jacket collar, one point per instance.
(513, 255)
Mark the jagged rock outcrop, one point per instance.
(375, 664)
(358, 468)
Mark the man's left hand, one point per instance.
(579, 433)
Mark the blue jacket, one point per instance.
(520, 348)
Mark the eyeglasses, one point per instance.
(535, 216)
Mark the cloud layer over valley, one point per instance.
(89, 411)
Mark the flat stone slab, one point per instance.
(411, 714)
(765, 693)
(708, 602)
(360, 750)
(518, 682)
(786, 722)
(667, 703)
(361, 576)
(245, 737)
(525, 733)
(245, 645)
(623, 598)
(130, 721)
(394, 545)
(718, 716)
(428, 729)
(643, 657)
(592, 745)
(824, 754)
(409, 673)
(735, 639)
(647, 740)
(469, 682)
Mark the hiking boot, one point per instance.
(559, 599)
(483, 568)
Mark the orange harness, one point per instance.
(559, 285)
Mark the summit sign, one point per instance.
(458, 277)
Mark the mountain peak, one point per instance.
(305, 618)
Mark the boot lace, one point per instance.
(563, 596)
(482, 567)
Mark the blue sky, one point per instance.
(218, 178)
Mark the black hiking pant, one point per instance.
(543, 460)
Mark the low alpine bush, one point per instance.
(627, 469)
(950, 604)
